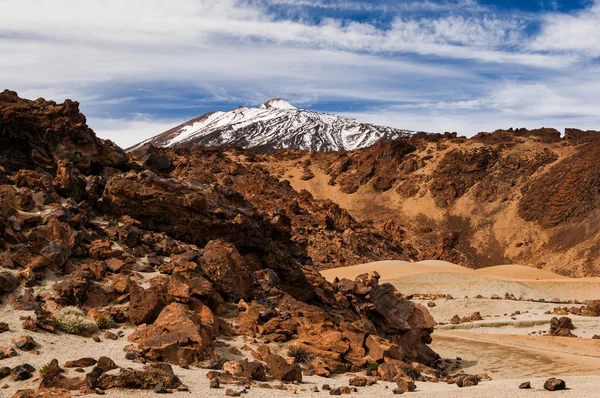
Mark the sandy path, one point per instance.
(515, 356)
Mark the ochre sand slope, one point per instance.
(429, 277)
(389, 270)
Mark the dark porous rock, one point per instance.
(22, 372)
(25, 343)
(7, 352)
(467, 381)
(8, 282)
(554, 384)
(3, 327)
(525, 386)
(4, 372)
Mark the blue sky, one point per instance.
(141, 67)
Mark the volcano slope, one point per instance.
(507, 197)
(181, 262)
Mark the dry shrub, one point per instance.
(74, 321)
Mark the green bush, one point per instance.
(105, 321)
(373, 367)
(74, 321)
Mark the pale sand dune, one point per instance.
(397, 269)
(429, 277)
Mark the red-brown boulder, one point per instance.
(177, 334)
(281, 370)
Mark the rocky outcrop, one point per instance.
(185, 260)
(38, 135)
(177, 335)
(281, 370)
(561, 327)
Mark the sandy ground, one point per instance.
(430, 277)
(509, 350)
(506, 345)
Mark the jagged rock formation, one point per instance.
(103, 223)
(508, 197)
(274, 125)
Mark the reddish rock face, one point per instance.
(227, 270)
(227, 239)
(8, 282)
(38, 134)
(177, 334)
(250, 370)
(145, 305)
(53, 378)
(281, 370)
(380, 348)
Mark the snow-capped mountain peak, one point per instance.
(277, 103)
(276, 124)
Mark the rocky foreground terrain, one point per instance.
(93, 240)
(196, 271)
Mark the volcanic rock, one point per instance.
(177, 334)
(281, 370)
(25, 343)
(554, 384)
(251, 370)
(8, 282)
(139, 380)
(81, 363)
(22, 372)
(525, 385)
(561, 327)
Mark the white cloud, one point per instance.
(575, 33)
(128, 132)
(463, 64)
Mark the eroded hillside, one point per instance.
(518, 196)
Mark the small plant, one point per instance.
(105, 321)
(74, 321)
(300, 354)
(44, 369)
(372, 367)
(112, 237)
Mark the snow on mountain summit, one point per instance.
(277, 103)
(276, 124)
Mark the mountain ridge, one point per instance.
(276, 124)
